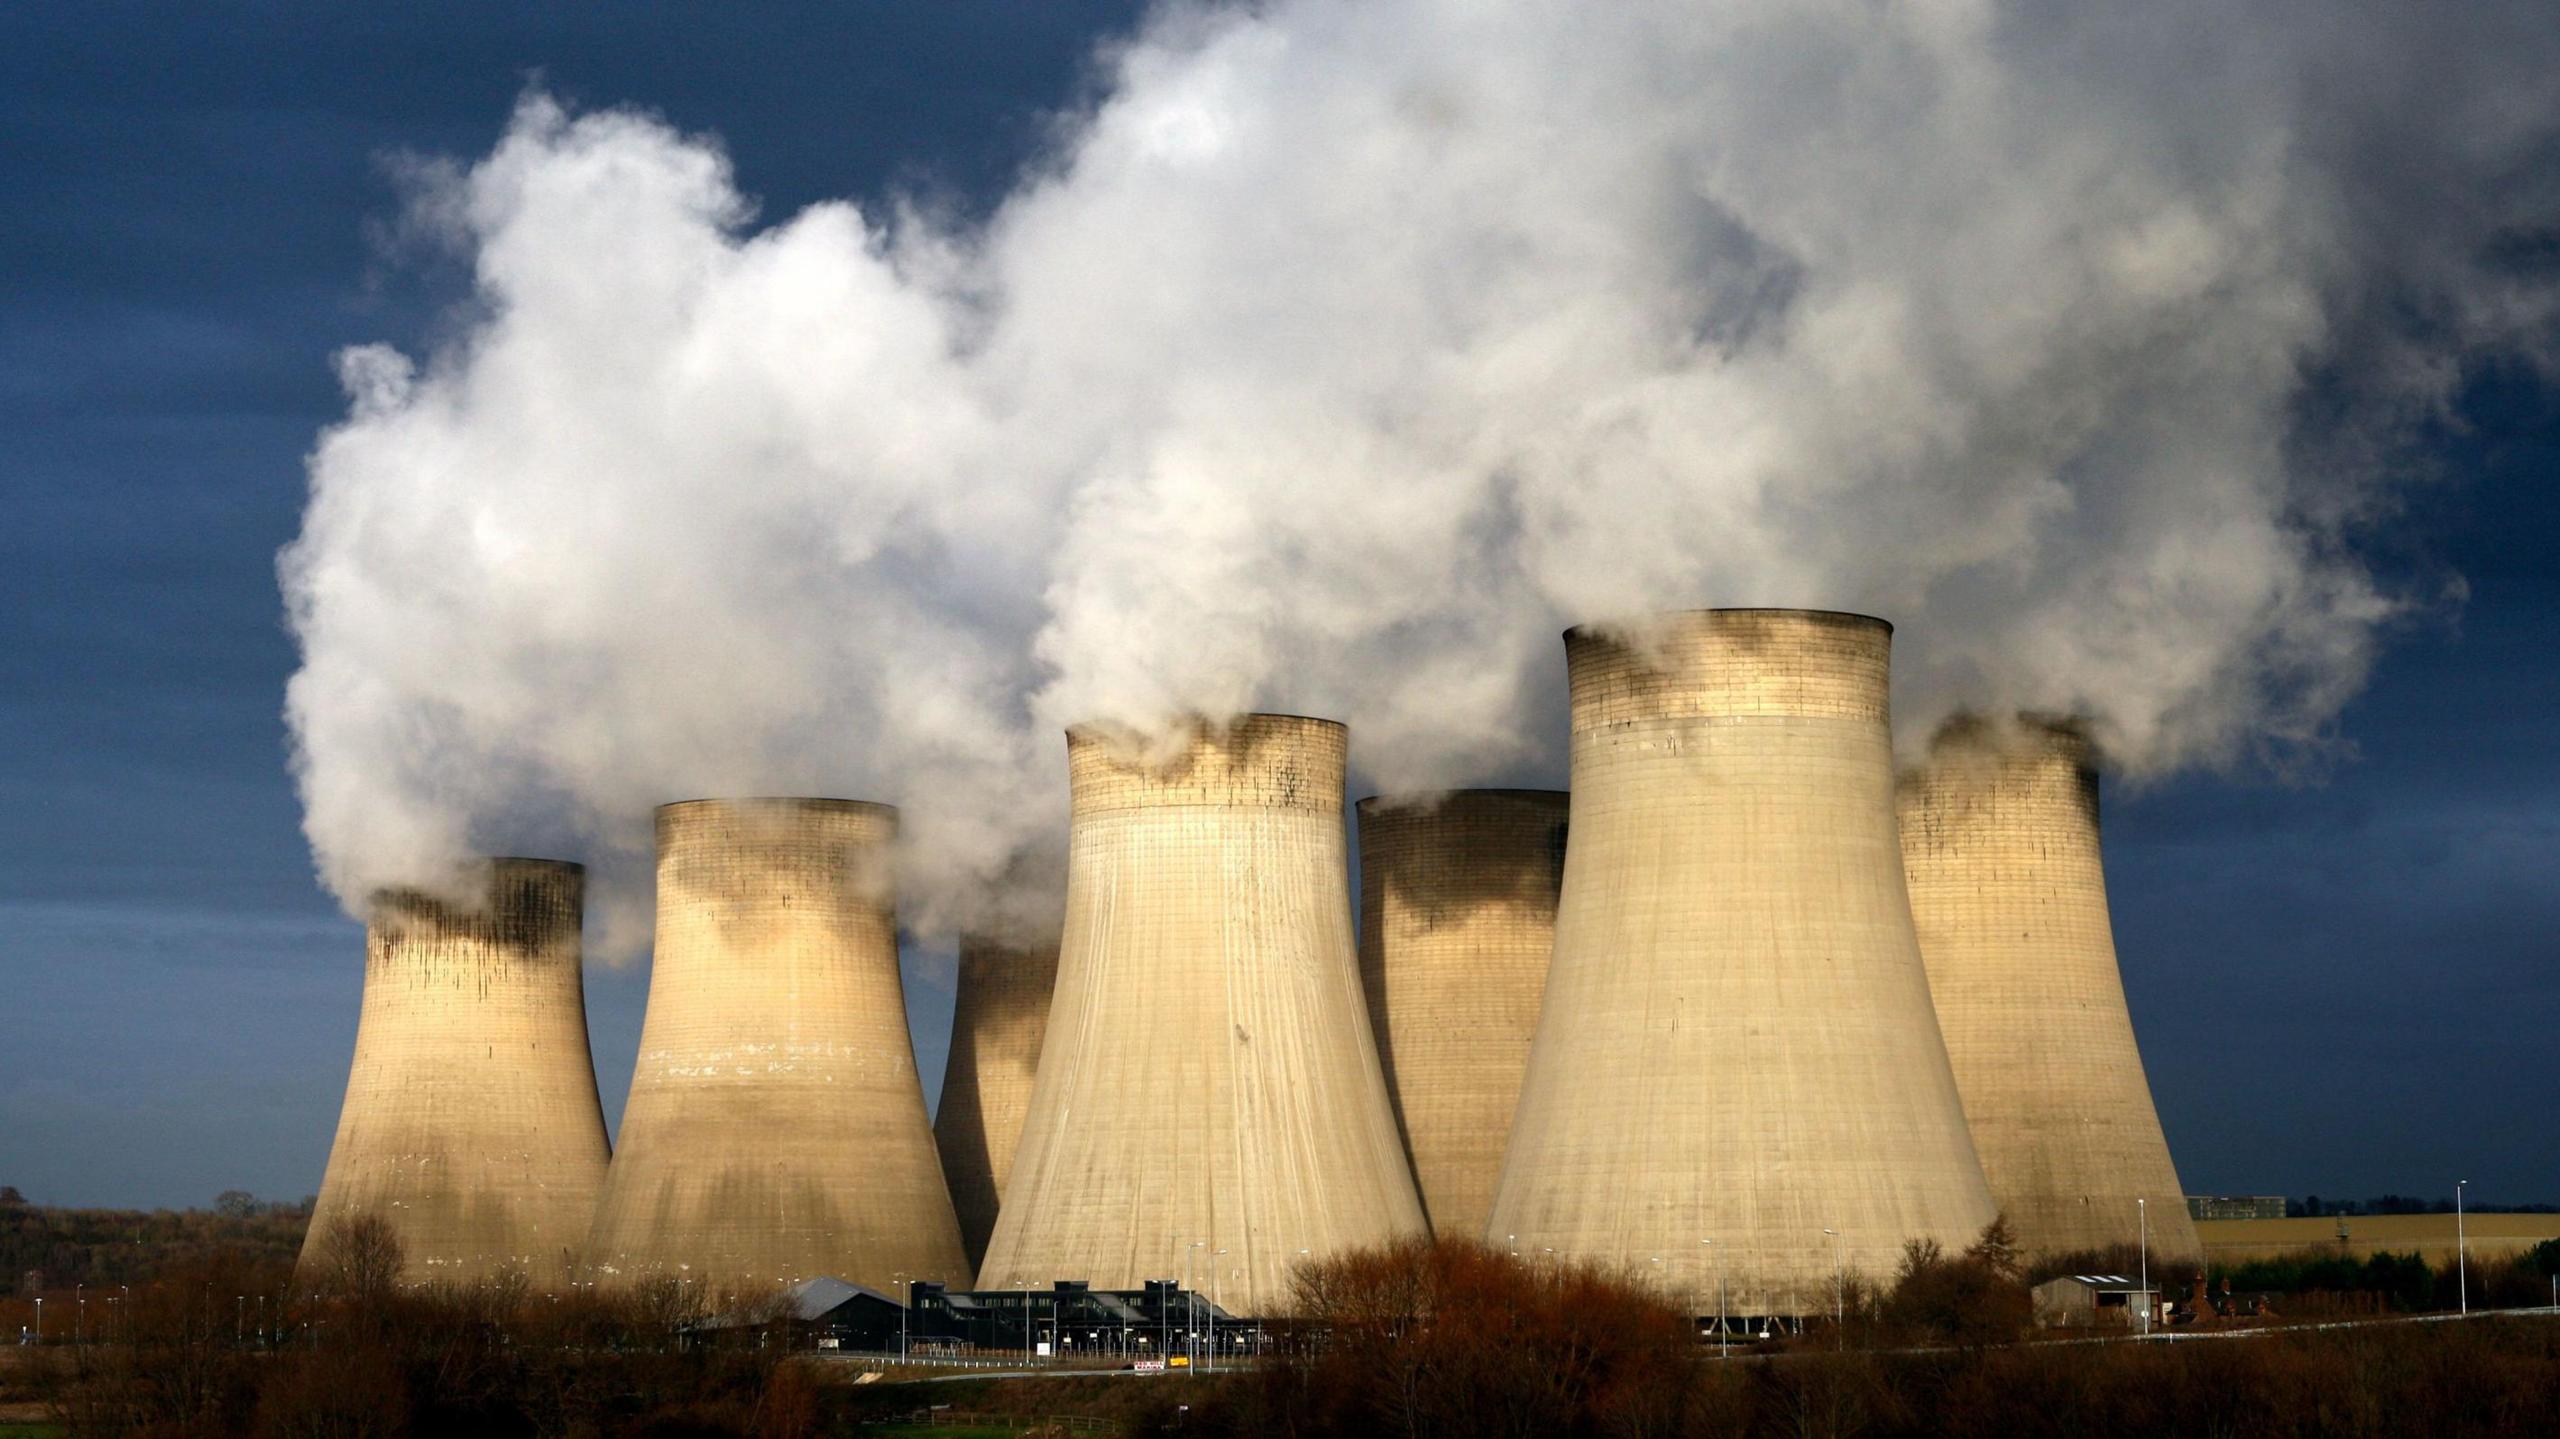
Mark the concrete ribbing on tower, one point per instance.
(2000, 843)
(1457, 919)
(776, 1129)
(1208, 1082)
(1737, 1043)
(999, 1013)
(471, 1124)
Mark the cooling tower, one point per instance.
(997, 1018)
(1457, 918)
(1737, 1043)
(776, 1130)
(1208, 1082)
(471, 1124)
(2000, 841)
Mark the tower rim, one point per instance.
(795, 801)
(1592, 629)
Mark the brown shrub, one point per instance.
(1423, 1338)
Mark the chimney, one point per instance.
(471, 1125)
(2000, 843)
(776, 1129)
(1457, 919)
(1208, 1083)
(1737, 1044)
(999, 1013)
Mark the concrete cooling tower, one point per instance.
(998, 1016)
(776, 1129)
(2000, 841)
(1737, 1044)
(1457, 918)
(471, 1125)
(1209, 1099)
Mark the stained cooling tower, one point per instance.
(1208, 1083)
(471, 1125)
(776, 1130)
(2000, 841)
(1457, 918)
(998, 1016)
(1737, 1044)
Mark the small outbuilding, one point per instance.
(2093, 1301)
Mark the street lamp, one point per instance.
(1216, 1302)
(39, 1319)
(904, 1299)
(2142, 1217)
(2461, 1250)
(1190, 1309)
(1710, 1246)
(1839, 1290)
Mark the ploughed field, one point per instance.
(2232, 1241)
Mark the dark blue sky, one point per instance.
(2342, 987)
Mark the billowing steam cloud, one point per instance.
(1344, 352)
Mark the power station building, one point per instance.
(1209, 1104)
(776, 1128)
(1738, 1082)
(471, 1125)
(1457, 920)
(1000, 1010)
(2000, 843)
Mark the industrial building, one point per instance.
(2240, 1206)
(1738, 1081)
(1209, 1102)
(776, 1129)
(1457, 920)
(2089, 1301)
(1071, 1320)
(471, 1125)
(1000, 1010)
(2008, 891)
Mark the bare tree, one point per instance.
(359, 1258)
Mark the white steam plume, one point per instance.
(1345, 352)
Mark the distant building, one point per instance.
(1069, 1319)
(2088, 1301)
(2241, 1206)
(821, 1313)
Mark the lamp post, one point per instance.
(1190, 1311)
(904, 1299)
(1216, 1302)
(1839, 1290)
(80, 1314)
(2461, 1251)
(2142, 1217)
(1710, 1246)
(39, 1319)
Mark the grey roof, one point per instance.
(808, 1301)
